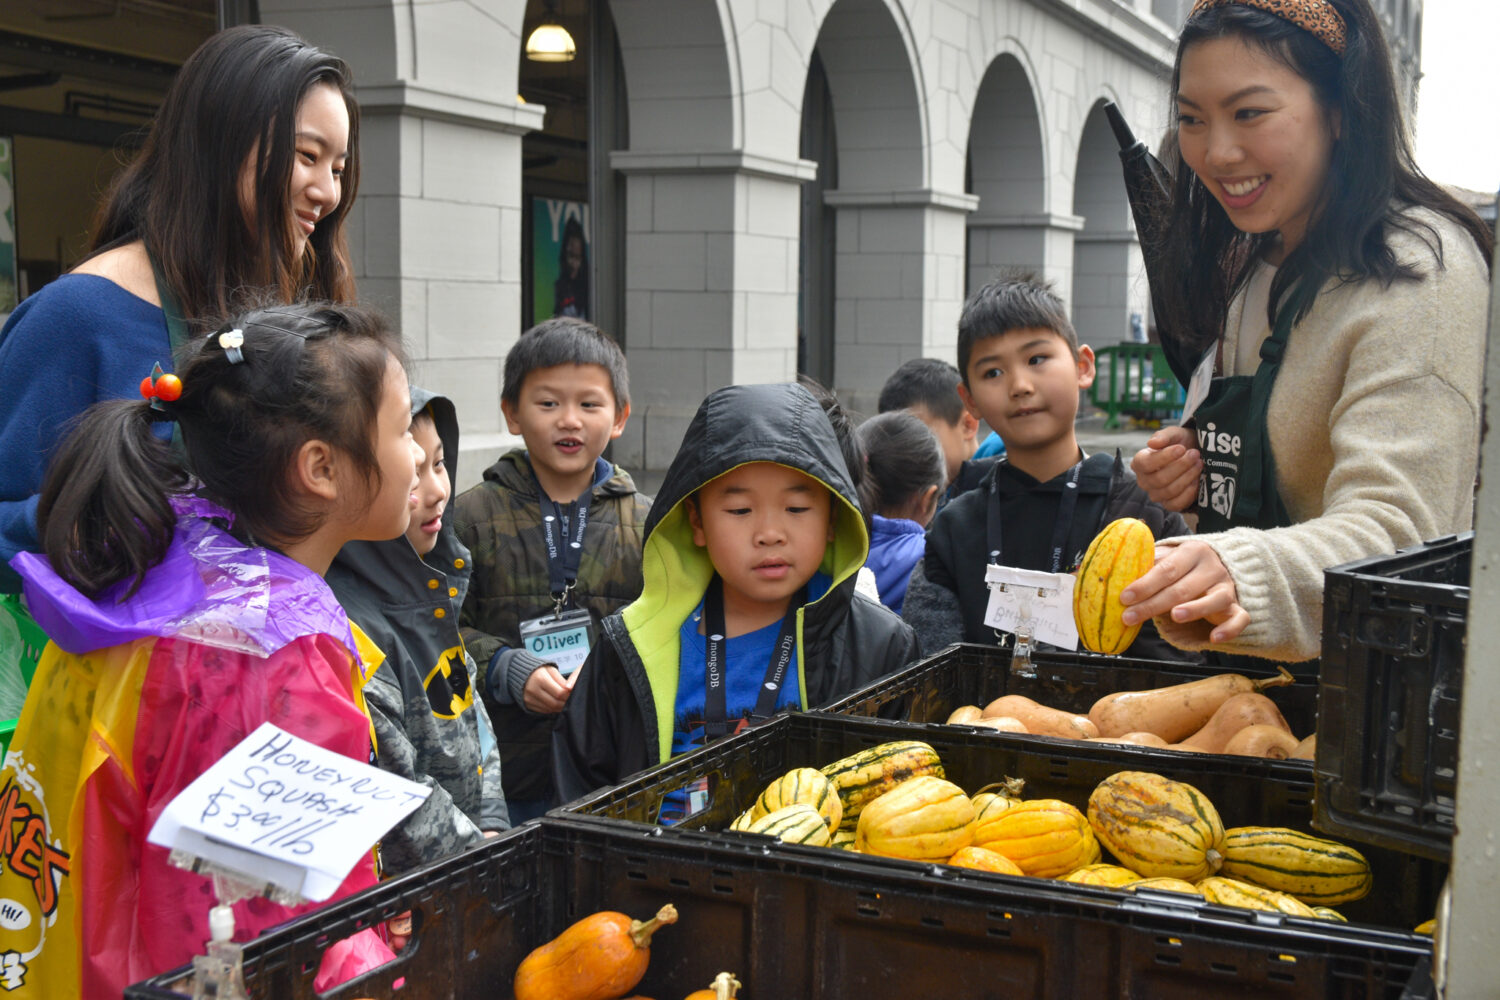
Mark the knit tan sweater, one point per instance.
(1374, 426)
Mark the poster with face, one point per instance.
(559, 259)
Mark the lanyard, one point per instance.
(563, 559)
(1060, 527)
(715, 707)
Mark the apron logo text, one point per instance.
(1220, 443)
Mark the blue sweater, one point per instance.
(79, 340)
(896, 546)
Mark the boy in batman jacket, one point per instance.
(748, 605)
(429, 725)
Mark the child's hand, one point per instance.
(1191, 583)
(1168, 468)
(546, 692)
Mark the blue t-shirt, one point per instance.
(746, 659)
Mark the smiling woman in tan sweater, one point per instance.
(1338, 299)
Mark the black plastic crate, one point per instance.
(970, 674)
(1392, 686)
(474, 917)
(1248, 791)
(817, 927)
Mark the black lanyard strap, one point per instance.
(715, 660)
(1060, 527)
(563, 552)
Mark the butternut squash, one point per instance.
(1135, 739)
(1307, 749)
(1174, 713)
(1239, 711)
(1040, 719)
(600, 957)
(965, 715)
(1003, 723)
(1262, 741)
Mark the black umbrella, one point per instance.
(1149, 188)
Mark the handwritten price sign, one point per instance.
(1042, 603)
(286, 811)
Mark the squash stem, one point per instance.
(1282, 678)
(641, 930)
(725, 986)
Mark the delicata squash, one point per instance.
(1156, 826)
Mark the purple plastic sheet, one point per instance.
(210, 588)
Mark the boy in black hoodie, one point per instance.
(1043, 502)
(748, 605)
(429, 726)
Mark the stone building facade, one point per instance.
(774, 185)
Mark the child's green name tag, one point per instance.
(562, 640)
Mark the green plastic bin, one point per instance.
(1134, 380)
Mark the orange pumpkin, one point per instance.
(600, 957)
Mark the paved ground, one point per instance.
(1092, 436)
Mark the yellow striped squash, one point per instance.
(799, 823)
(743, 820)
(1109, 876)
(1156, 826)
(1117, 557)
(1317, 871)
(924, 819)
(1165, 884)
(865, 776)
(842, 839)
(1045, 837)
(1010, 790)
(984, 859)
(1427, 927)
(1233, 892)
(802, 784)
(1330, 914)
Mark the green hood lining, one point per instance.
(676, 573)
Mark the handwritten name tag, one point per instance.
(1025, 598)
(279, 809)
(562, 640)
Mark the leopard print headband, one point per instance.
(1317, 17)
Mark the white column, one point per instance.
(898, 286)
(710, 284)
(1041, 243)
(1109, 284)
(1466, 956)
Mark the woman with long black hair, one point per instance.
(239, 193)
(1337, 297)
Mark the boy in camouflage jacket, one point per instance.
(566, 392)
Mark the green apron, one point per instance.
(1237, 488)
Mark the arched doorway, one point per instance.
(1108, 275)
(1006, 170)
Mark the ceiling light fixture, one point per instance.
(550, 42)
